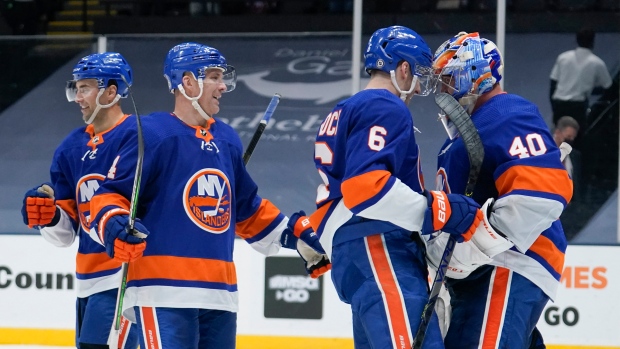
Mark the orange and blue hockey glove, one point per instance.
(39, 207)
(451, 213)
(299, 236)
(119, 243)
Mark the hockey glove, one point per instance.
(452, 213)
(39, 208)
(119, 243)
(299, 236)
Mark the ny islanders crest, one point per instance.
(206, 199)
(84, 191)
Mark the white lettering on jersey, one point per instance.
(330, 124)
(209, 146)
(87, 190)
(376, 141)
(207, 200)
(112, 171)
(441, 204)
(535, 146)
(91, 154)
(206, 184)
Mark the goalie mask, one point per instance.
(107, 69)
(196, 59)
(388, 47)
(467, 67)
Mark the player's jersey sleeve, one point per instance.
(378, 142)
(114, 195)
(62, 234)
(533, 186)
(259, 222)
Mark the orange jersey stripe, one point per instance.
(495, 308)
(391, 292)
(545, 248)
(98, 202)
(358, 189)
(548, 180)
(94, 262)
(259, 221)
(182, 268)
(69, 207)
(317, 217)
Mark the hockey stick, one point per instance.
(133, 208)
(475, 153)
(261, 127)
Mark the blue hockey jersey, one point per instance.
(79, 166)
(195, 195)
(367, 156)
(523, 172)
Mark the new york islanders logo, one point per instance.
(206, 199)
(84, 191)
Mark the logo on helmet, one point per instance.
(380, 63)
(206, 199)
(112, 60)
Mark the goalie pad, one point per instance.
(486, 239)
(465, 259)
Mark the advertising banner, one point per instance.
(277, 299)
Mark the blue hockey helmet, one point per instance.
(196, 59)
(103, 67)
(389, 46)
(468, 64)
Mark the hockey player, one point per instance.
(373, 203)
(61, 209)
(501, 279)
(196, 195)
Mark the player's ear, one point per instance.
(405, 69)
(188, 80)
(112, 91)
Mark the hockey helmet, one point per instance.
(468, 65)
(196, 59)
(103, 67)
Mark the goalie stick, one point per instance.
(133, 208)
(475, 153)
(261, 127)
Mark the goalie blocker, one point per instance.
(468, 256)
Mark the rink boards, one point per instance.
(280, 307)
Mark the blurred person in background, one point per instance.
(573, 77)
(565, 132)
(564, 135)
